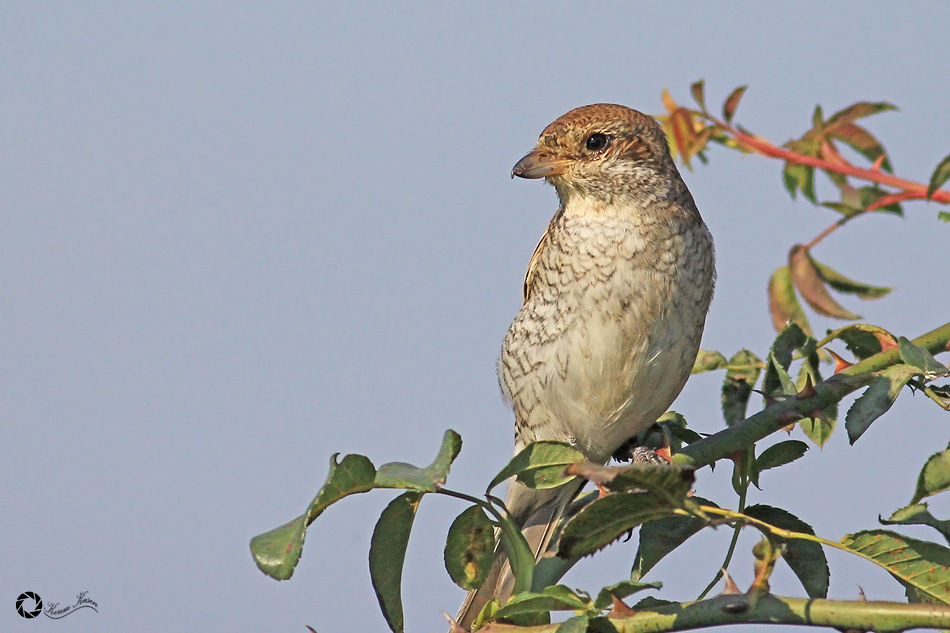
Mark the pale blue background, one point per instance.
(236, 238)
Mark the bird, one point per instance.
(614, 305)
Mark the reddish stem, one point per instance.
(911, 190)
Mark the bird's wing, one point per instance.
(531, 277)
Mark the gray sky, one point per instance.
(238, 238)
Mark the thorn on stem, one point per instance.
(808, 391)
(840, 363)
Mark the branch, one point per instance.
(780, 414)
(910, 190)
(769, 609)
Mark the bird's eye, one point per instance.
(597, 142)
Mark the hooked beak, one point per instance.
(537, 165)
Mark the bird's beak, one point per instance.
(538, 165)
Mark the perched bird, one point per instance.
(615, 300)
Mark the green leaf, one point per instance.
(797, 176)
(577, 624)
(697, 90)
(732, 102)
(869, 195)
(622, 590)
(661, 536)
(673, 482)
(941, 175)
(918, 514)
(429, 479)
(844, 209)
(744, 371)
(540, 465)
(876, 400)
(805, 558)
(278, 551)
(674, 430)
(819, 430)
(863, 340)
(776, 379)
(520, 556)
(708, 361)
(934, 477)
(922, 565)
(919, 358)
(556, 598)
(781, 454)
(843, 284)
(387, 553)
(607, 519)
(783, 302)
(470, 548)
(858, 111)
(944, 216)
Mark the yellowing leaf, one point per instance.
(811, 286)
(783, 303)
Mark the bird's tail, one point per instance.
(538, 512)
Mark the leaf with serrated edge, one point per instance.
(738, 384)
(812, 288)
(278, 551)
(540, 465)
(776, 379)
(783, 303)
(387, 553)
(934, 476)
(876, 400)
(661, 536)
(863, 340)
(806, 558)
(842, 284)
(732, 102)
(470, 548)
(920, 358)
(607, 519)
(918, 514)
(818, 430)
(781, 454)
(922, 565)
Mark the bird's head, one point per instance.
(606, 153)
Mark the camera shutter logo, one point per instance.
(37, 604)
